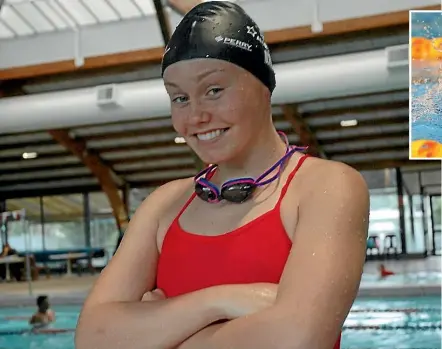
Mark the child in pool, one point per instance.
(44, 314)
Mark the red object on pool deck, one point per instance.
(255, 252)
(385, 272)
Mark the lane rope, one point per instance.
(23, 331)
(415, 327)
(400, 310)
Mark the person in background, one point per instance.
(15, 268)
(44, 314)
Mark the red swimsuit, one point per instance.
(255, 252)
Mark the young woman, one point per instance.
(273, 258)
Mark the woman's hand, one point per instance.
(233, 301)
(155, 295)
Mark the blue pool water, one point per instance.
(398, 329)
(426, 113)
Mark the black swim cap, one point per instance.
(221, 30)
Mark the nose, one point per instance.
(199, 114)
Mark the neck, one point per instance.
(259, 158)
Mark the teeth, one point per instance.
(209, 135)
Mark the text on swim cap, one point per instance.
(234, 42)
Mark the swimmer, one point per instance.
(273, 257)
(44, 314)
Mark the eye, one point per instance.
(180, 99)
(214, 91)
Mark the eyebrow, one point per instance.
(199, 76)
(206, 73)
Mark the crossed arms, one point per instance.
(316, 291)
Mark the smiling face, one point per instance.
(218, 107)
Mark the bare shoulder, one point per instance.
(132, 270)
(332, 177)
(162, 198)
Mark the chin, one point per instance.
(214, 158)
(224, 151)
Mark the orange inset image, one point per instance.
(425, 85)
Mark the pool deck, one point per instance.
(73, 290)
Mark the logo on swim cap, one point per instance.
(251, 30)
(234, 42)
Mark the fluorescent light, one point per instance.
(30, 155)
(180, 140)
(349, 123)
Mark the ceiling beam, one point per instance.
(302, 129)
(398, 119)
(36, 192)
(145, 56)
(364, 137)
(141, 131)
(372, 149)
(361, 108)
(146, 158)
(154, 55)
(108, 180)
(163, 21)
(168, 167)
(383, 164)
(345, 26)
(182, 6)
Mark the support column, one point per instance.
(400, 196)
(410, 200)
(424, 215)
(87, 225)
(42, 223)
(433, 233)
(3, 225)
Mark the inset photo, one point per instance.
(425, 85)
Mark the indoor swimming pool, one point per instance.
(388, 323)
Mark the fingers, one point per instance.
(154, 295)
(147, 297)
(159, 293)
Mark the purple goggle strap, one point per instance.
(289, 151)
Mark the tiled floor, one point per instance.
(75, 288)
